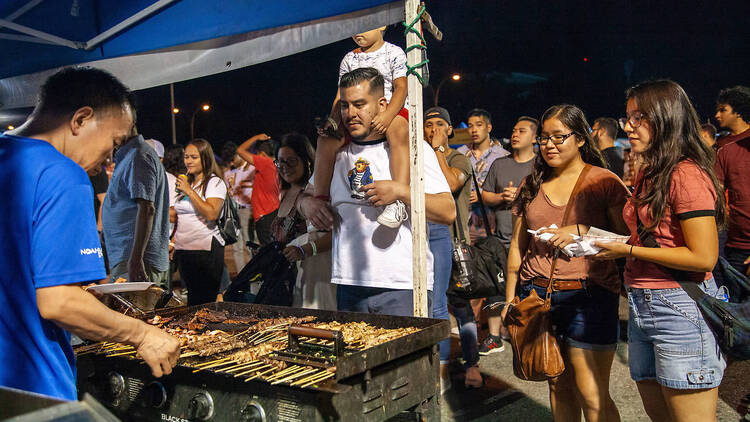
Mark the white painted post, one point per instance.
(416, 167)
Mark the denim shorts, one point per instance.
(585, 318)
(669, 341)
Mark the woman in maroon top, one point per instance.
(673, 356)
(585, 294)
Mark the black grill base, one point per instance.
(407, 383)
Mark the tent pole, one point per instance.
(416, 167)
(171, 112)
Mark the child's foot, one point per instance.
(393, 215)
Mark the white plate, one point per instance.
(135, 286)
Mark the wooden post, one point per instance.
(416, 167)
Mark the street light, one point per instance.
(204, 107)
(175, 110)
(454, 77)
(11, 127)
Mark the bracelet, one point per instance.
(333, 123)
(302, 251)
(325, 198)
(579, 229)
(314, 248)
(631, 250)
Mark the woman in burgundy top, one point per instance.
(673, 356)
(585, 294)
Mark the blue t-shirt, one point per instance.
(138, 174)
(49, 238)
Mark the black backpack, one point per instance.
(482, 264)
(229, 221)
(270, 267)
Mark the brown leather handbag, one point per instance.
(536, 353)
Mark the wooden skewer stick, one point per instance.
(310, 377)
(188, 354)
(283, 372)
(258, 374)
(297, 375)
(321, 378)
(238, 367)
(231, 362)
(211, 362)
(123, 353)
(259, 368)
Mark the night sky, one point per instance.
(515, 58)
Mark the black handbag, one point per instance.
(478, 270)
(729, 321)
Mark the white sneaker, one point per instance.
(393, 215)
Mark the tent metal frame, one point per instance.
(33, 35)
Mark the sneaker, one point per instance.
(393, 215)
(491, 344)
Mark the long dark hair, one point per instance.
(301, 146)
(174, 160)
(676, 138)
(210, 168)
(572, 118)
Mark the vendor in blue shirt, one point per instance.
(49, 242)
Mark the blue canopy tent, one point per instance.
(148, 43)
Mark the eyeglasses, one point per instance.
(287, 163)
(634, 120)
(556, 139)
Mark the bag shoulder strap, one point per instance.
(648, 240)
(481, 204)
(566, 214)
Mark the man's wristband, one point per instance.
(325, 198)
(314, 248)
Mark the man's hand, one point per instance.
(438, 138)
(159, 350)
(383, 192)
(292, 254)
(136, 270)
(381, 122)
(473, 197)
(318, 212)
(509, 193)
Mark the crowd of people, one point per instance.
(340, 216)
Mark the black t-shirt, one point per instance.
(100, 182)
(615, 163)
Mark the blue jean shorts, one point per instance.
(669, 341)
(585, 318)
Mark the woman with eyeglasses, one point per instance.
(673, 356)
(585, 293)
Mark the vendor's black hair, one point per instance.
(74, 87)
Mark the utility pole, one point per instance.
(171, 112)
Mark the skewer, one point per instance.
(319, 379)
(122, 353)
(188, 354)
(259, 374)
(240, 367)
(231, 362)
(310, 377)
(211, 362)
(252, 370)
(297, 375)
(286, 371)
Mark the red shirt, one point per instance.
(730, 139)
(733, 170)
(691, 194)
(265, 197)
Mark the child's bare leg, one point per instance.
(398, 140)
(325, 157)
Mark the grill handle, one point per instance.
(295, 331)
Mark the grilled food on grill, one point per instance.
(254, 353)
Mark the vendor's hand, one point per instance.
(381, 122)
(561, 237)
(293, 254)
(182, 185)
(473, 197)
(611, 250)
(383, 192)
(318, 212)
(159, 350)
(137, 270)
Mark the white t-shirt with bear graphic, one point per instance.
(366, 253)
